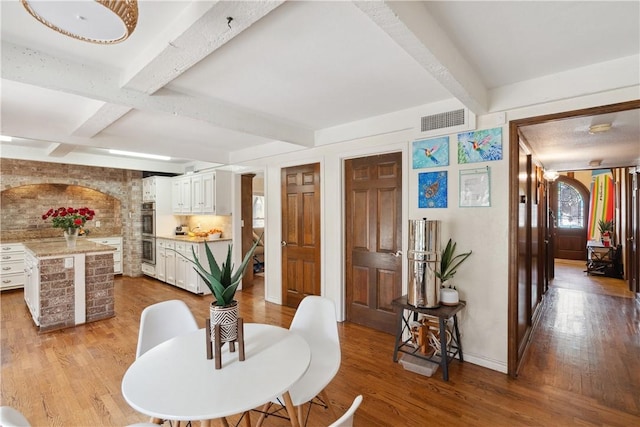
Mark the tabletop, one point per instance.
(176, 381)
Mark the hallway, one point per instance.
(587, 341)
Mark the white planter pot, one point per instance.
(449, 296)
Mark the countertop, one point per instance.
(56, 247)
(192, 239)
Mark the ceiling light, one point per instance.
(595, 162)
(143, 155)
(603, 127)
(99, 21)
(550, 175)
(5, 138)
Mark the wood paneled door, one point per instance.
(373, 236)
(300, 233)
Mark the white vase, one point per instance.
(70, 235)
(227, 318)
(449, 296)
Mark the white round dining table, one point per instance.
(176, 381)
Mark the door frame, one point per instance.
(513, 358)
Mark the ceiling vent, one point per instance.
(447, 122)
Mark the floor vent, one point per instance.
(442, 120)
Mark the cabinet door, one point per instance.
(176, 196)
(161, 260)
(197, 196)
(208, 193)
(170, 263)
(185, 194)
(222, 193)
(192, 281)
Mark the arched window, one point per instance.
(570, 206)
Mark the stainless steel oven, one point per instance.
(149, 250)
(148, 219)
(149, 233)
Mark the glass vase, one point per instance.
(70, 235)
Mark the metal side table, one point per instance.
(442, 313)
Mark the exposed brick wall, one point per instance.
(30, 188)
(57, 295)
(99, 286)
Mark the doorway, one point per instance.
(373, 239)
(522, 270)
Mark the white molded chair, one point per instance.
(347, 419)
(162, 321)
(10, 417)
(315, 320)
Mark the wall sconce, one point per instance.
(550, 175)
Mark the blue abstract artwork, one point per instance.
(480, 146)
(431, 153)
(432, 189)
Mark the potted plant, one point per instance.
(606, 231)
(223, 283)
(449, 262)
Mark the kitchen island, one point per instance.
(65, 286)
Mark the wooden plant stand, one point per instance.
(215, 347)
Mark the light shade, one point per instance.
(550, 175)
(99, 21)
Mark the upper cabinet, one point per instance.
(157, 189)
(205, 193)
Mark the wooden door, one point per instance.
(570, 202)
(632, 263)
(373, 238)
(300, 233)
(246, 215)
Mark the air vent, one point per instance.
(443, 120)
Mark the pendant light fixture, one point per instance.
(99, 21)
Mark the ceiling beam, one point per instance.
(413, 28)
(40, 69)
(199, 31)
(59, 150)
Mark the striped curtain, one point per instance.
(601, 204)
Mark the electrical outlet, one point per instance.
(97, 224)
(68, 263)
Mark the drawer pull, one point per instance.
(6, 281)
(6, 257)
(6, 268)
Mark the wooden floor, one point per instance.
(583, 368)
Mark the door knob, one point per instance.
(284, 243)
(397, 254)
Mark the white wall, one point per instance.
(482, 280)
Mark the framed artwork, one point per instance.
(475, 188)
(432, 189)
(431, 153)
(480, 146)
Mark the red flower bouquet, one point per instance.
(69, 217)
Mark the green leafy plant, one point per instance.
(605, 226)
(450, 262)
(222, 280)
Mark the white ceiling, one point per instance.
(193, 86)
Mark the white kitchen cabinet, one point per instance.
(165, 261)
(186, 276)
(32, 286)
(158, 189)
(174, 269)
(12, 268)
(116, 242)
(206, 193)
(181, 195)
